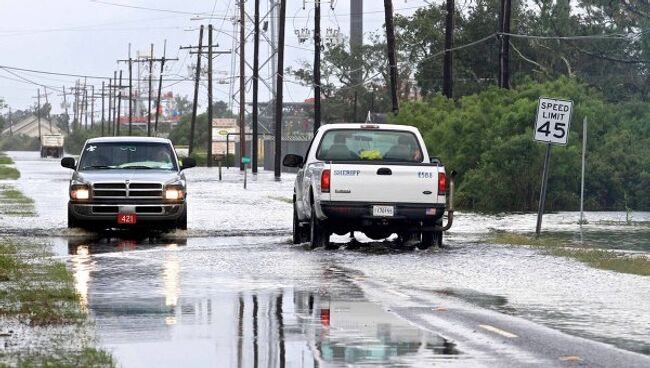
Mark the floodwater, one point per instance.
(233, 291)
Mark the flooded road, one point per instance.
(232, 291)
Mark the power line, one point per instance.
(6, 67)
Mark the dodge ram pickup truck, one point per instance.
(375, 179)
(127, 182)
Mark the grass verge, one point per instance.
(7, 172)
(14, 203)
(5, 160)
(282, 199)
(38, 293)
(598, 258)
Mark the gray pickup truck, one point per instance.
(127, 182)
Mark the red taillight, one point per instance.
(325, 181)
(442, 183)
(325, 317)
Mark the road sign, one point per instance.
(553, 120)
(245, 160)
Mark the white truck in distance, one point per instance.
(376, 179)
(52, 145)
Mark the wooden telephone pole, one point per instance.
(392, 58)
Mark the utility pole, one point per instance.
(130, 93)
(85, 107)
(317, 111)
(103, 108)
(256, 76)
(38, 114)
(392, 58)
(160, 80)
(119, 107)
(11, 125)
(92, 106)
(209, 161)
(75, 105)
(49, 120)
(196, 90)
(242, 83)
(150, 91)
(67, 116)
(280, 87)
(110, 105)
(447, 74)
(115, 113)
(504, 51)
(356, 39)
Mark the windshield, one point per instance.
(368, 145)
(127, 155)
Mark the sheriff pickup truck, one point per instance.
(375, 179)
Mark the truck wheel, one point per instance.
(72, 222)
(426, 240)
(297, 231)
(437, 237)
(319, 235)
(181, 223)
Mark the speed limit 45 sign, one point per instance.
(553, 120)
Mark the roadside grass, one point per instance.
(38, 292)
(597, 258)
(87, 357)
(14, 203)
(282, 199)
(5, 160)
(7, 172)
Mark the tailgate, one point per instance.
(385, 183)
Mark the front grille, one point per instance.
(126, 191)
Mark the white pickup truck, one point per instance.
(376, 179)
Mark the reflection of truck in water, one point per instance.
(361, 332)
(52, 145)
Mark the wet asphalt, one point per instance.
(233, 292)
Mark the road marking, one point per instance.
(397, 293)
(571, 358)
(498, 331)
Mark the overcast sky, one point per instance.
(87, 37)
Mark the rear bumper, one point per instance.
(147, 213)
(361, 212)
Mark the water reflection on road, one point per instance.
(156, 304)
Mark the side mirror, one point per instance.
(188, 163)
(68, 163)
(292, 160)
(435, 160)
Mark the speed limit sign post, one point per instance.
(551, 127)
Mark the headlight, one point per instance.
(174, 192)
(79, 192)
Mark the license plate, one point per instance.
(127, 219)
(383, 211)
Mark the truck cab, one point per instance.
(127, 182)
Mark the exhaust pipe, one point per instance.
(450, 207)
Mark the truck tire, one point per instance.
(319, 235)
(74, 223)
(437, 238)
(426, 240)
(181, 223)
(298, 232)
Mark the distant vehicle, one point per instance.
(126, 182)
(52, 145)
(376, 179)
